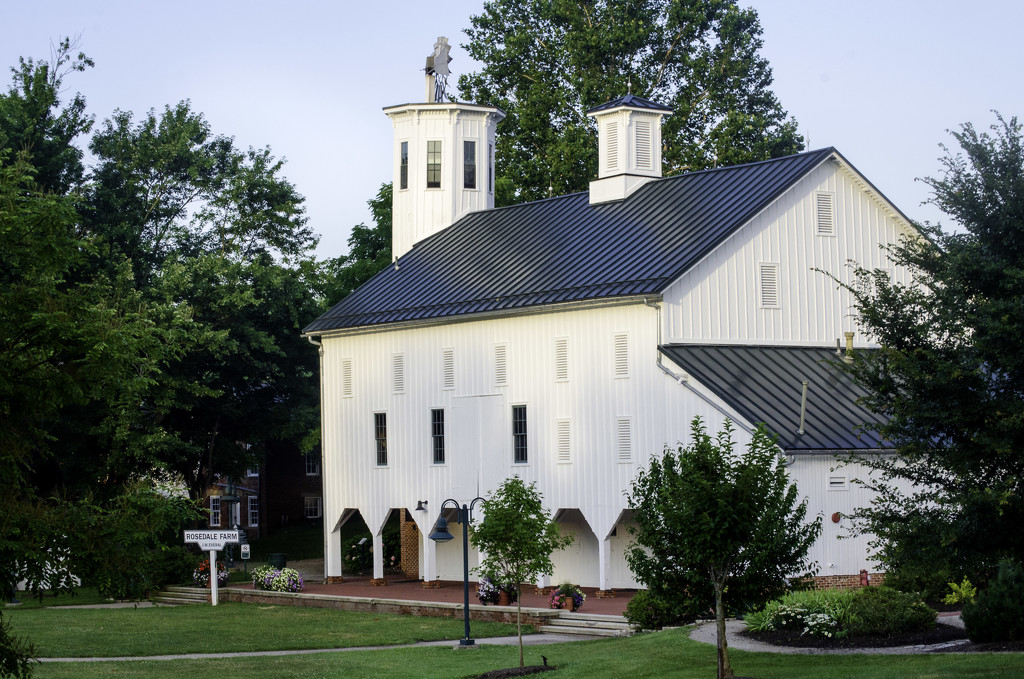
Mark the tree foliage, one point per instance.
(949, 373)
(369, 250)
(707, 518)
(546, 62)
(517, 538)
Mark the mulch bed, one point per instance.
(942, 634)
(515, 672)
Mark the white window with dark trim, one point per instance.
(520, 453)
(433, 164)
(214, 510)
(313, 507)
(403, 167)
(312, 464)
(563, 441)
(437, 435)
(254, 511)
(380, 438)
(469, 164)
(768, 285)
(825, 213)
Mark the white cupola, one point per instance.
(443, 161)
(628, 146)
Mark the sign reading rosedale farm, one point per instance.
(212, 541)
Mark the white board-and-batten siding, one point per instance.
(581, 411)
(718, 300)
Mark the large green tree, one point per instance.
(369, 250)
(517, 538)
(706, 518)
(546, 62)
(949, 373)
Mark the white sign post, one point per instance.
(212, 541)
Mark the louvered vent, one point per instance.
(624, 439)
(398, 373)
(825, 212)
(621, 355)
(448, 368)
(644, 151)
(611, 148)
(346, 378)
(564, 441)
(500, 375)
(769, 279)
(561, 359)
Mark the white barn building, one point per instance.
(568, 340)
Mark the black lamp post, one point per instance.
(441, 534)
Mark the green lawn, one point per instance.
(250, 627)
(82, 596)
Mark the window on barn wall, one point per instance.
(433, 164)
(519, 450)
(469, 164)
(437, 434)
(380, 436)
(403, 167)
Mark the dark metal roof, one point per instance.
(566, 250)
(764, 384)
(631, 101)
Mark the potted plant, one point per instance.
(567, 596)
(489, 591)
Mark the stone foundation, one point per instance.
(335, 579)
(605, 594)
(431, 584)
(846, 581)
(531, 616)
(379, 582)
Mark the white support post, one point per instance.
(429, 553)
(604, 559)
(213, 577)
(378, 556)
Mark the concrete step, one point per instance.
(588, 625)
(179, 595)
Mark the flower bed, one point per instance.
(276, 579)
(201, 575)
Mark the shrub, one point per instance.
(567, 590)
(824, 612)
(201, 575)
(964, 593)
(887, 612)
(647, 611)
(998, 612)
(277, 580)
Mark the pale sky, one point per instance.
(880, 81)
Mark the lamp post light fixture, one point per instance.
(441, 534)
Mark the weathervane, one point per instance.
(437, 71)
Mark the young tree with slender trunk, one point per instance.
(517, 537)
(704, 515)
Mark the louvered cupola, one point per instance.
(628, 145)
(443, 161)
